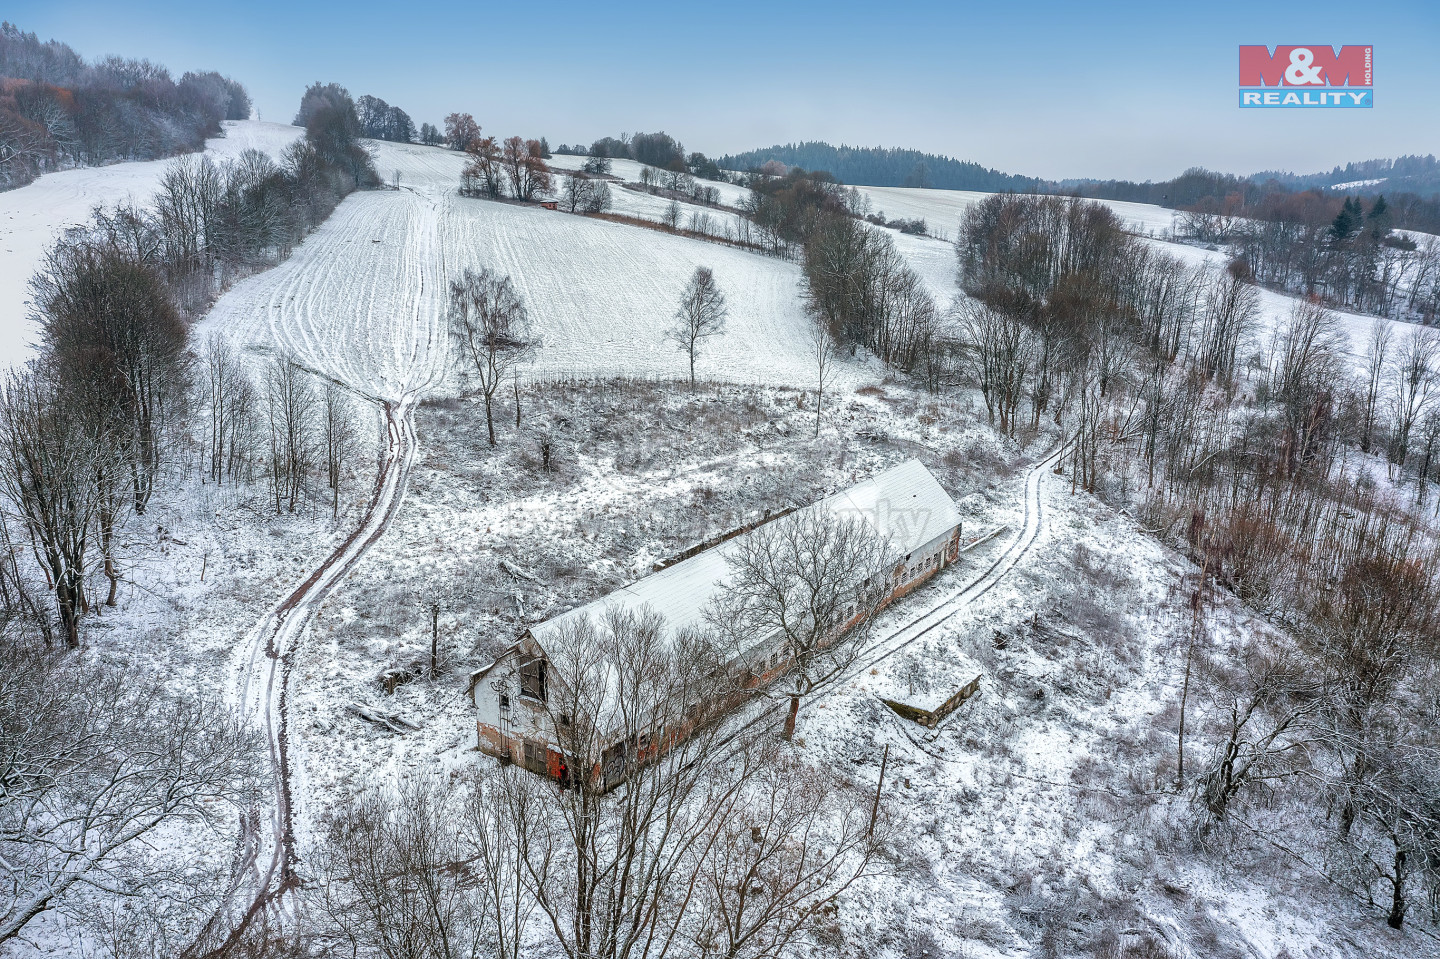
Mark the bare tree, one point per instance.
(525, 166)
(188, 202)
(291, 411)
(225, 384)
(825, 356)
(1232, 307)
(1398, 843)
(810, 584)
(490, 329)
(111, 329)
(484, 175)
(585, 195)
(1377, 358)
(1413, 381)
(700, 315)
(1267, 736)
(394, 861)
(710, 841)
(790, 848)
(630, 705)
(499, 812)
(461, 131)
(337, 436)
(1310, 357)
(999, 351)
(672, 215)
(97, 762)
(48, 458)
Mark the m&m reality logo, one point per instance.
(1315, 75)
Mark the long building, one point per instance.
(904, 506)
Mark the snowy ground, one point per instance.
(1038, 816)
(942, 209)
(34, 215)
(355, 299)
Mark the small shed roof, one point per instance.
(904, 505)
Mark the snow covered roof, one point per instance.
(904, 504)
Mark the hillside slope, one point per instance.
(354, 299)
(32, 216)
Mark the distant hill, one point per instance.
(1406, 174)
(884, 166)
(58, 111)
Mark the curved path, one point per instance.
(361, 304)
(1015, 550)
(264, 867)
(897, 638)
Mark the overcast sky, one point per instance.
(1058, 89)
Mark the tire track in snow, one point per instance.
(939, 613)
(1014, 551)
(391, 351)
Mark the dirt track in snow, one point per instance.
(362, 303)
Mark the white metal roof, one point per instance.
(904, 504)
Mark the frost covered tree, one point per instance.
(700, 316)
(227, 399)
(1413, 382)
(490, 331)
(48, 454)
(1376, 359)
(291, 410)
(810, 583)
(391, 858)
(677, 835)
(337, 436)
(111, 331)
(98, 762)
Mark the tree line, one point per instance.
(883, 166)
(88, 424)
(56, 110)
(1254, 453)
(857, 284)
(1413, 200)
(659, 150)
(99, 757)
(1334, 248)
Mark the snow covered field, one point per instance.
(1039, 812)
(942, 209)
(34, 215)
(362, 299)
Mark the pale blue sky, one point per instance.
(1052, 89)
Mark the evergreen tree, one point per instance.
(1348, 220)
(1378, 221)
